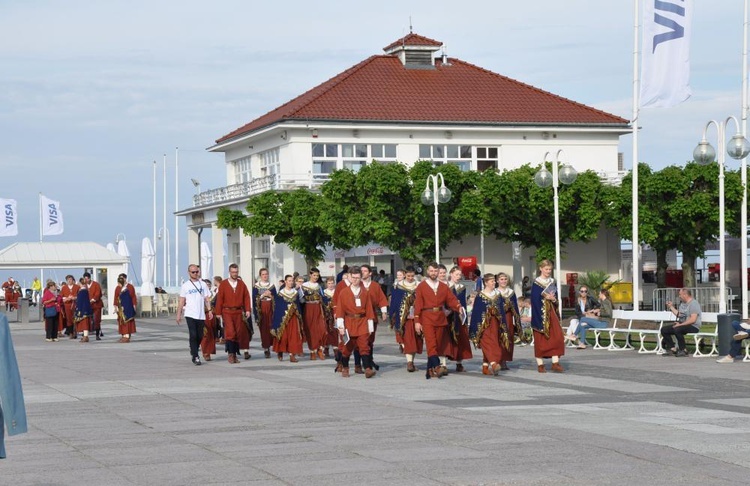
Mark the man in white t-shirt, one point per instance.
(195, 299)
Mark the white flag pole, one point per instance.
(634, 173)
(154, 219)
(41, 232)
(743, 171)
(176, 218)
(165, 280)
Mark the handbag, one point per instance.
(50, 311)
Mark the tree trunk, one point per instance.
(310, 263)
(661, 268)
(688, 270)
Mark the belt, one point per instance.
(232, 308)
(433, 309)
(312, 302)
(355, 315)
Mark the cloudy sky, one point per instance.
(91, 93)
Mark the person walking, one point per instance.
(233, 305)
(49, 301)
(195, 298)
(125, 302)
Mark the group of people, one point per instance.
(12, 292)
(74, 308)
(435, 315)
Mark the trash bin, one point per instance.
(23, 311)
(725, 331)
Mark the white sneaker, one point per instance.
(725, 359)
(740, 336)
(745, 325)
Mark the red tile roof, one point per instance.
(382, 89)
(413, 39)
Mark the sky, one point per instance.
(92, 93)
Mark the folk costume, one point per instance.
(83, 313)
(459, 330)
(380, 306)
(95, 297)
(264, 294)
(355, 316)
(286, 327)
(432, 298)
(208, 342)
(313, 319)
(125, 302)
(12, 292)
(332, 334)
(487, 329)
(548, 335)
(232, 303)
(512, 321)
(68, 294)
(401, 312)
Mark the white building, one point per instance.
(409, 104)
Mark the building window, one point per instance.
(269, 162)
(242, 172)
(236, 253)
(383, 152)
(459, 155)
(323, 166)
(263, 246)
(487, 158)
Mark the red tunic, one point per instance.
(208, 343)
(231, 303)
(428, 311)
(555, 345)
(122, 326)
(313, 318)
(69, 298)
(355, 319)
(95, 296)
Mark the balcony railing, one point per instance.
(275, 182)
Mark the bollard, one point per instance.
(23, 311)
(725, 331)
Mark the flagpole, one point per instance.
(41, 233)
(176, 218)
(154, 235)
(743, 172)
(634, 173)
(165, 280)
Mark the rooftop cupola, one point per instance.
(415, 51)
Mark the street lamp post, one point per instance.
(434, 196)
(738, 148)
(567, 175)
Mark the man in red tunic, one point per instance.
(11, 298)
(126, 308)
(95, 296)
(380, 305)
(432, 297)
(232, 300)
(68, 294)
(354, 320)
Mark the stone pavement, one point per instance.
(142, 413)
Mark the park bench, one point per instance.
(710, 319)
(622, 323)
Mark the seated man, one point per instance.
(742, 329)
(688, 322)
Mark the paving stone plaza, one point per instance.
(142, 413)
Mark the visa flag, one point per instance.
(52, 218)
(665, 62)
(9, 225)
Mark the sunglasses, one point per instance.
(584, 291)
(195, 271)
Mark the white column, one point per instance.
(217, 251)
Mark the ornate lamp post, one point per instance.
(435, 196)
(738, 148)
(567, 175)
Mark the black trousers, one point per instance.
(679, 333)
(195, 329)
(50, 324)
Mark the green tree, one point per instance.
(516, 209)
(291, 217)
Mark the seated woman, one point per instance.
(590, 314)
